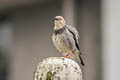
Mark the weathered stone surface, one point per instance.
(58, 68)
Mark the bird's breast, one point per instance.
(61, 43)
(59, 31)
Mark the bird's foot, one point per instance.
(68, 56)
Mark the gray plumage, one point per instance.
(65, 39)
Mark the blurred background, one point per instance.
(26, 28)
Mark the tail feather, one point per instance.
(81, 60)
(78, 56)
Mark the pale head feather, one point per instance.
(59, 22)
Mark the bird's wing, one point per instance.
(75, 34)
(73, 31)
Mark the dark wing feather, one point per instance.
(76, 44)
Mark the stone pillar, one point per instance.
(58, 68)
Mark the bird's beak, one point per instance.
(56, 18)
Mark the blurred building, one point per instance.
(32, 26)
(26, 28)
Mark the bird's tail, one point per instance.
(78, 56)
(81, 60)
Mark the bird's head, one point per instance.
(59, 22)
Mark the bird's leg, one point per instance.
(69, 55)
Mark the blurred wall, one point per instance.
(5, 47)
(33, 27)
(111, 39)
(88, 23)
(32, 34)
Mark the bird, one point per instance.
(65, 39)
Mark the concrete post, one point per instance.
(58, 68)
